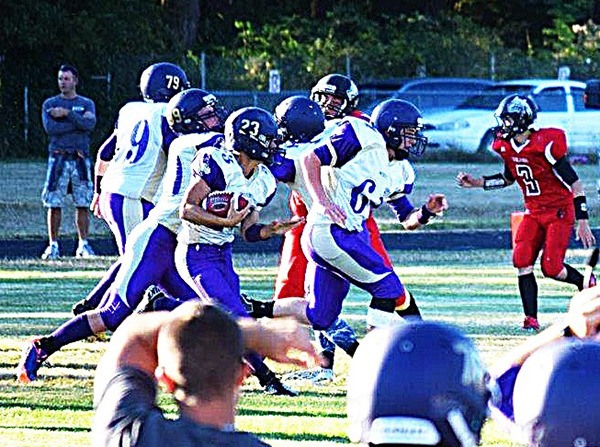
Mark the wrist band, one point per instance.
(581, 209)
(252, 233)
(426, 215)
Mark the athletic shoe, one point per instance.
(531, 323)
(85, 251)
(317, 376)
(51, 253)
(81, 306)
(274, 387)
(31, 360)
(257, 308)
(151, 294)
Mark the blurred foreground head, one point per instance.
(420, 383)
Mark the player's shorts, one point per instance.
(68, 174)
(122, 215)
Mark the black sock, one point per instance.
(573, 277)
(529, 291)
(328, 355)
(352, 349)
(412, 311)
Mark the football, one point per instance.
(219, 202)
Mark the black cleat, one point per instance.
(151, 295)
(257, 308)
(81, 306)
(275, 387)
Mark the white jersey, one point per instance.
(139, 162)
(222, 172)
(178, 176)
(401, 175)
(354, 172)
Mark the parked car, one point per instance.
(436, 94)
(560, 102)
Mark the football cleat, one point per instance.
(81, 306)
(318, 376)
(151, 295)
(85, 251)
(31, 360)
(274, 387)
(531, 324)
(257, 308)
(51, 253)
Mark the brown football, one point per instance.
(219, 202)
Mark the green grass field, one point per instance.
(475, 290)
(22, 214)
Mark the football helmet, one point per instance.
(254, 131)
(160, 82)
(300, 119)
(195, 110)
(551, 397)
(338, 86)
(417, 383)
(400, 123)
(515, 114)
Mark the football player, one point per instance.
(337, 95)
(131, 162)
(149, 255)
(417, 384)
(359, 165)
(204, 251)
(553, 194)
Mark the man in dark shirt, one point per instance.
(196, 353)
(68, 119)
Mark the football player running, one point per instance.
(204, 251)
(131, 162)
(553, 194)
(149, 255)
(337, 96)
(358, 165)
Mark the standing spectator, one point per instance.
(196, 353)
(68, 119)
(554, 198)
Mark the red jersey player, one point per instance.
(554, 198)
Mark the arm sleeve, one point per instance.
(106, 152)
(123, 406)
(54, 127)
(402, 207)
(80, 121)
(565, 171)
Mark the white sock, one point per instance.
(82, 242)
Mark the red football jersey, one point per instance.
(531, 165)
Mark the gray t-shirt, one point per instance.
(126, 416)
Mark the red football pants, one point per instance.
(550, 231)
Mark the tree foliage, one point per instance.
(303, 39)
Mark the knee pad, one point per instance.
(551, 270)
(95, 321)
